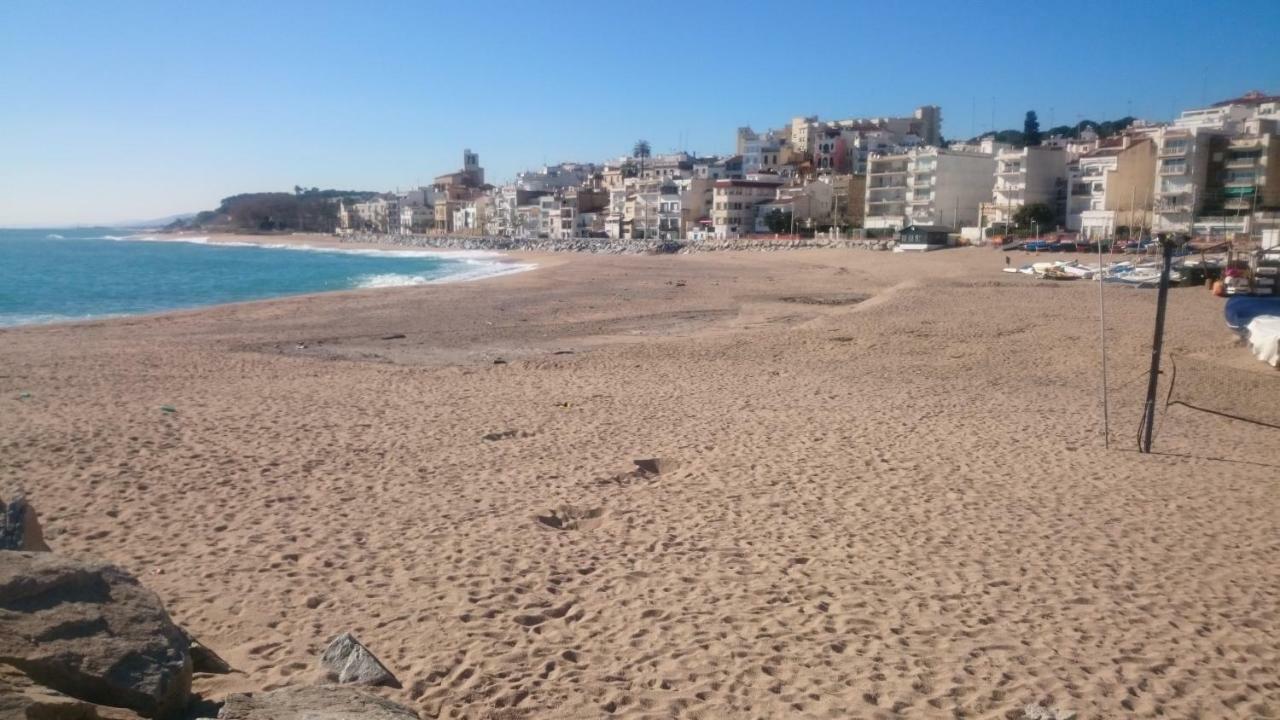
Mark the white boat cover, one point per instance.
(1264, 339)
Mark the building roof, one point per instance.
(1253, 97)
(735, 182)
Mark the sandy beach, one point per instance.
(883, 488)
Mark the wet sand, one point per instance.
(884, 491)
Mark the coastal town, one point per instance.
(1212, 172)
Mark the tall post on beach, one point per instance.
(1102, 328)
(1157, 343)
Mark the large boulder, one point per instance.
(91, 631)
(346, 661)
(19, 528)
(21, 697)
(325, 702)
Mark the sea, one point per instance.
(62, 275)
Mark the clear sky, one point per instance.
(132, 110)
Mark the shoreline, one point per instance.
(487, 265)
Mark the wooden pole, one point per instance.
(1157, 343)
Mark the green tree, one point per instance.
(641, 151)
(1040, 214)
(1031, 129)
(778, 221)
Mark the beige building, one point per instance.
(734, 204)
(1111, 187)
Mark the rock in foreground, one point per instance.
(20, 697)
(313, 703)
(19, 528)
(91, 631)
(346, 661)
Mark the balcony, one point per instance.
(1010, 170)
(1173, 170)
(1179, 150)
(1241, 163)
(1238, 204)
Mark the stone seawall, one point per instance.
(611, 246)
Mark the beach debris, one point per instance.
(19, 526)
(348, 662)
(505, 435)
(89, 630)
(499, 361)
(24, 396)
(169, 409)
(568, 517)
(834, 299)
(646, 469)
(393, 336)
(562, 352)
(301, 702)
(1035, 711)
(300, 346)
(654, 466)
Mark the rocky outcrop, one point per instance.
(346, 661)
(313, 703)
(91, 631)
(19, 527)
(21, 697)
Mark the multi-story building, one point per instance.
(760, 152)
(848, 199)
(735, 201)
(1242, 187)
(1110, 187)
(927, 186)
(416, 219)
(1182, 170)
(1032, 175)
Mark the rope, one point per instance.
(1168, 400)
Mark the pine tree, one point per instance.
(1031, 129)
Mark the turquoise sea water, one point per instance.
(76, 274)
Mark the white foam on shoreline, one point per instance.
(370, 252)
(477, 271)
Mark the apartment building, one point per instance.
(927, 186)
(924, 126)
(735, 203)
(1025, 177)
(1182, 170)
(1111, 187)
(848, 199)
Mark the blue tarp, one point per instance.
(1242, 309)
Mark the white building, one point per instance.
(927, 186)
(1026, 177)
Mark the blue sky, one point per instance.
(116, 110)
